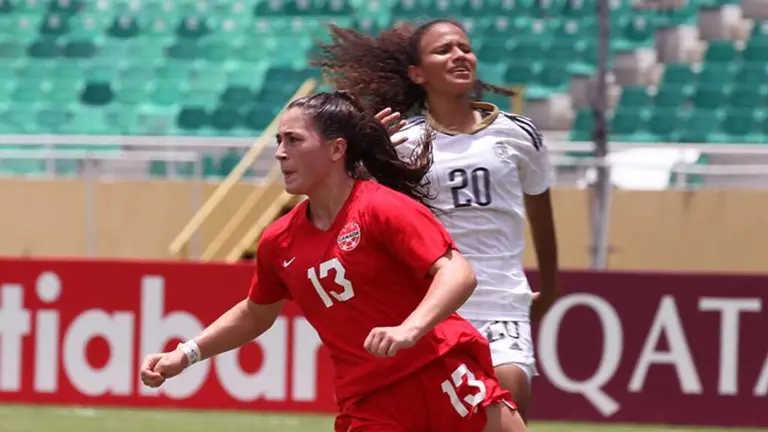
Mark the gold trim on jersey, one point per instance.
(489, 108)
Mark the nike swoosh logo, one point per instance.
(289, 262)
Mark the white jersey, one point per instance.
(477, 183)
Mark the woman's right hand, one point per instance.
(157, 368)
(393, 123)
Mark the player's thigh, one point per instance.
(501, 417)
(459, 389)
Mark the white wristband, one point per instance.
(191, 350)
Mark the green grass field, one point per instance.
(15, 418)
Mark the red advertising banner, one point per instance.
(76, 332)
(662, 348)
(666, 348)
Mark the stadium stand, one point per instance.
(693, 72)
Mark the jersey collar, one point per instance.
(490, 111)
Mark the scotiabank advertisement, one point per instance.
(660, 348)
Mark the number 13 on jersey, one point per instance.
(340, 279)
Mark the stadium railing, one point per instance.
(272, 197)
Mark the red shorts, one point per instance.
(448, 394)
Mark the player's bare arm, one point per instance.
(452, 284)
(244, 322)
(541, 219)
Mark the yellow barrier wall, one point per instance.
(702, 230)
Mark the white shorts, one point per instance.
(511, 343)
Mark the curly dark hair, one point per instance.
(375, 69)
(370, 153)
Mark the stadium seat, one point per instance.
(158, 67)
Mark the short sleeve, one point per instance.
(536, 174)
(266, 287)
(410, 231)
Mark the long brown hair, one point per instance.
(375, 69)
(370, 153)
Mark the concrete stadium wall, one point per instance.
(722, 230)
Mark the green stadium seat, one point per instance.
(756, 51)
(665, 124)
(52, 119)
(184, 50)
(86, 27)
(79, 49)
(554, 76)
(192, 28)
(30, 8)
(748, 97)
(671, 96)
(224, 119)
(702, 126)
(11, 50)
(6, 7)
(717, 73)
(122, 119)
(755, 74)
(710, 96)
(124, 27)
(44, 49)
(337, 7)
(634, 97)
(202, 98)
(236, 97)
(637, 31)
(101, 72)
(530, 49)
(258, 117)
(64, 7)
(581, 9)
(54, 25)
(678, 73)
(521, 73)
(19, 118)
(64, 92)
(741, 126)
(217, 50)
(627, 123)
(132, 92)
(721, 51)
(30, 92)
(97, 93)
(192, 118)
(172, 71)
(167, 93)
(494, 50)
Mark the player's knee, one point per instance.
(502, 418)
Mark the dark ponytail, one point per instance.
(370, 153)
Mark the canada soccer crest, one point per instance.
(349, 237)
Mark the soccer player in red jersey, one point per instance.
(376, 275)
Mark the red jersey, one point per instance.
(369, 269)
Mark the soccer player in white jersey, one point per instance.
(490, 169)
